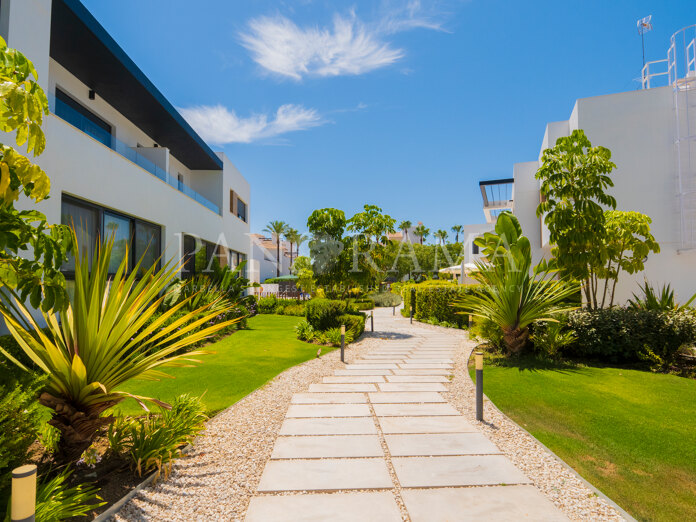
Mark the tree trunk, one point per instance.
(515, 339)
(277, 256)
(77, 427)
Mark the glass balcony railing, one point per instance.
(80, 121)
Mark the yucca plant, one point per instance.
(513, 296)
(662, 300)
(105, 338)
(56, 501)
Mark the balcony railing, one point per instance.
(81, 122)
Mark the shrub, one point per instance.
(355, 325)
(297, 310)
(323, 314)
(154, 442)
(21, 419)
(631, 335)
(267, 305)
(385, 299)
(333, 336)
(363, 305)
(486, 330)
(304, 331)
(551, 337)
(55, 501)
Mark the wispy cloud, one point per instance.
(348, 47)
(217, 124)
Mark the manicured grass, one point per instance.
(630, 433)
(243, 361)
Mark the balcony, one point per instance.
(497, 197)
(67, 113)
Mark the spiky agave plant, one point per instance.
(104, 339)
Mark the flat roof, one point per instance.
(82, 45)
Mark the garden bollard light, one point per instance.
(343, 342)
(393, 310)
(372, 321)
(479, 386)
(23, 504)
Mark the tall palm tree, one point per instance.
(421, 232)
(276, 229)
(457, 229)
(299, 240)
(441, 235)
(291, 236)
(404, 226)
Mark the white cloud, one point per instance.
(348, 47)
(217, 124)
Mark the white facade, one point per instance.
(639, 128)
(152, 184)
(264, 258)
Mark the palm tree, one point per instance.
(421, 232)
(404, 226)
(441, 235)
(299, 240)
(291, 236)
(276, 229)
(457, 229)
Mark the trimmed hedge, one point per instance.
(362, 305)
(324, 314)
(273, 305)
(631, 335)
(355, 324)
(434, 301)
(385, 299)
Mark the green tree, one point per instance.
(627, 245)
(291, 236)
(36, 273)
(369, 244)
(305, 275)
(511, 297)
(330, 262)
(421, 232)
(276, 229)
(574, 176)
(457, 229)
(442, 236)
(404, 226)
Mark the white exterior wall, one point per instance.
(81, 166)
(639, 129)
(265, 261)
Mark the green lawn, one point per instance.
(630, 433)
(241, 363)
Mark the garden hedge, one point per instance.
(434, 300)
(631, 335)
(324, 314)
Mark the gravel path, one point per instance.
(219, 478)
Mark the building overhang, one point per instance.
(498, 196)
(81, 45)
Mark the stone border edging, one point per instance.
(563, 463)
(118, 505)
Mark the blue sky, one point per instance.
(403, 104)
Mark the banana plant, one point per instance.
(105, 338)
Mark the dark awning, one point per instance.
(81, 45)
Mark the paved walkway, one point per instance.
(377, 441)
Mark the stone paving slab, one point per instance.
(497, 503)
(329, 426)
(387, 356)
(431, 355)
(417, 378)
(325, 475)
(364, 372)
(328, 398)
(375, 362)
(381, 366)
(342, 387)
(414, 410)
(439, 444)
(432, 360)
(423, 366)
(338, 507)
(404, 397)
(328, 410)
(411, 386)
(432, 472)
(348, 379)
(434, 424)
(433, 371)
(327, 446)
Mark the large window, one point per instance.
(241, 210)
(132, 237)
(82, 118)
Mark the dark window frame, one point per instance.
(474, 248)
(100, 235)
(246, 208)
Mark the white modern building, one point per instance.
(264, 258)
(651, 133)
(120, 157)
